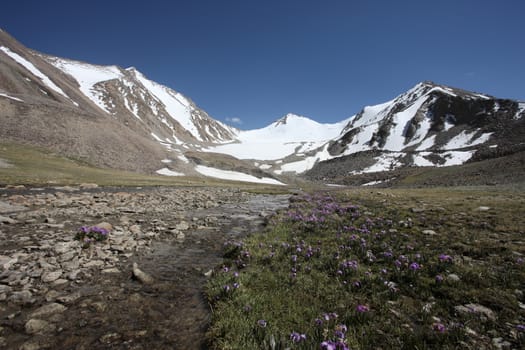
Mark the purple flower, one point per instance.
(362, 308)
(439, 278)
(331, 345)
(262, 323)
(445, 258)
(414, 266)
(236, 285)
(226, 288)
(520, 327)
(439, 327)
(84, 229)
(328, 345)
(297, 338)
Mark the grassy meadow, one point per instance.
(377, 269)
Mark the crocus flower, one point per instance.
(445, 258)
(414, 266)
(362, 308)
(439, 278)
(439, 327)
(262, 323)
(297, 338)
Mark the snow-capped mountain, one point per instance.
(429, 125)
(118, 118)
(290, 135)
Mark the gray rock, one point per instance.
(7, 220)
(34, 326)
(32, 345)
(23, 297)
(88, 186)
(11, 208)
(69, 298)
(141, 275)
(135, 229)
(111, 270)
(7, 261)
(182, 226)
(429, 232)
(453, 277)
(476, 309)
(51, 276)
(93, 263)
(48, 309)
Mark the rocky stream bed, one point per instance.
(142, 288)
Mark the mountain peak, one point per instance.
(288, 118)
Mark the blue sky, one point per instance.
(256, 60)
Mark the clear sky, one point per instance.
(253, 61)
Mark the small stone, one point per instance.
(7, 261)
(417, 210)
(111, 270)
(7, 220)
(69, 298)
(141, 275)
(453, 277)
(32, 345)
(135, 229)
(94, 263)
(38, 326)
(110, 338)
(67, 256)
(51, 276)
(88, 186)
(476, 309)
(429, 232)
(23, 297)
(105, 225)
(48, 309)
(182, 226)
(209, 273)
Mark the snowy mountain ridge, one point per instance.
(119, 118)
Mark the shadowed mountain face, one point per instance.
(118, 118)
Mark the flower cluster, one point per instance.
(90, 234)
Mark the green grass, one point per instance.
(330, 254)
(38, 167)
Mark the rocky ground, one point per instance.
(142, 288)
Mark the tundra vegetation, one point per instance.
(368, 269)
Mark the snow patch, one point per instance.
(427, 143)
(166, 161)
(234, 175)
(466, 139)
(36, 72)
(372, 183)
(183, 158)
(177, 106)
(11, 97)
(168, 172)
(87, 75)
